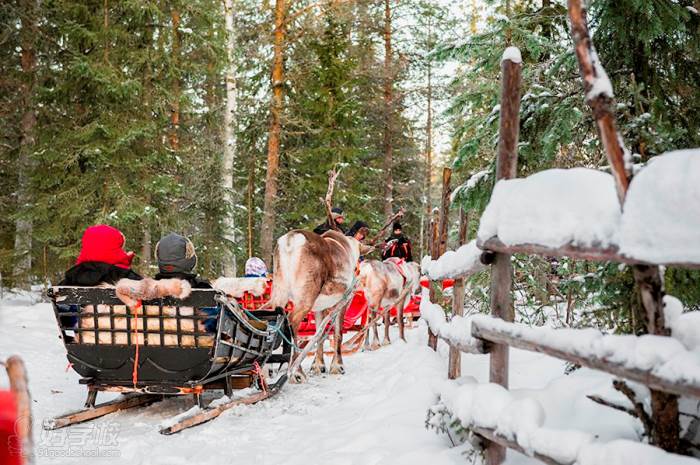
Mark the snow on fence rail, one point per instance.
(495, 414)
(575, 212)
(454, 264)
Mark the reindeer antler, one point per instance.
(380, 233)
(328, 201)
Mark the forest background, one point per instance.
(221, 119)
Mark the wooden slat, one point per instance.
(100, 410)
(479, 347)
(492, 436)
(640, 376)
(602, 254)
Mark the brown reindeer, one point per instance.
(383, 283)
(315, 272)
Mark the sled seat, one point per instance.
(193, 340)
(355, 317)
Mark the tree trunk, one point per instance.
(388, 113)
(274, 136)
(251, 205)
(146, 251)
(229, 142)
(175, 105)
(428, 150)
(23, 225)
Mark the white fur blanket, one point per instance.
(236, 287)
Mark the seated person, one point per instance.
(176, 260)
(102, 259)
(255, 268)
(337, 214)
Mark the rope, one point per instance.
(135, 369)
(261, 376)
(276, 328)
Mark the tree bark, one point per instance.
(23, 224)
(428, 152)
(274, 136)
(434, 253)
(388, 113)
(445, 210)
(175, 105)
(229, 141)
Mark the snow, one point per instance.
(661, 216)
(457, 331)
(452, 264)
(684, 326)
(553, 207)
(627, 452)
(373, 415)
(665, 357)
(601, 85)
(512, 54)
(472, 182)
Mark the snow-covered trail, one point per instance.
(375, 414)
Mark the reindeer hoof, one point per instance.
(386, 342)
(297, 378)
(337, 370)
(318, 369)
(374, 346)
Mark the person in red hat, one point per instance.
(102, 259)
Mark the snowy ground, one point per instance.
(375, 414)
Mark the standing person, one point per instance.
(397, 245)
(176, 259)
(337, 214)
(102, 259)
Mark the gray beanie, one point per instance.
(175, 253)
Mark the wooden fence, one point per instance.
(665, 426)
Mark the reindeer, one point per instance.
(383, 283)
(315, 272)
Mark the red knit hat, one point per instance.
(102, 243)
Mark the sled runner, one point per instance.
(164, 347)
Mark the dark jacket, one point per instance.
(397, 246)
(195, 281)
(321, 228)
(95, 273)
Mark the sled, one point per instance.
(163, 347)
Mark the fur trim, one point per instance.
(236, 287)
(131, 291)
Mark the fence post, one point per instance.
(454, 369)
(501, 269)
(434, 253)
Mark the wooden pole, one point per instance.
(666, 431)
(434, 253)
(19, 385)
(445, 209)
(454, 370)
(501, 269)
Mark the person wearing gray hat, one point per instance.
(176, 259)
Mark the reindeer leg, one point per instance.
(370, 317)
(319, 365)
(375, 345)
(298, 376)
(387, 325)
(337, 367)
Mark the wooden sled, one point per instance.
(164, 347)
